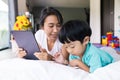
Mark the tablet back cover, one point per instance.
(27, 41)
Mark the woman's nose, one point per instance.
(55, 29)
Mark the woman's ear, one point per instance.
(42, 27)
(86, 40)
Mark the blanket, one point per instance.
(22, 69)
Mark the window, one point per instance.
(4, 25)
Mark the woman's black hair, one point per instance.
(74, 30)
(50, 11)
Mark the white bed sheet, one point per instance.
(21, 69)
(110, 72)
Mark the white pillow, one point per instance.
(112, 52)
(7, 54)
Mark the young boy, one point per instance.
(75, 35)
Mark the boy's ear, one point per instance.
(86, 40)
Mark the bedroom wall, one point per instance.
(95, 20)
(67, 13)
(73, 13)
(22, 7)
(117, 21)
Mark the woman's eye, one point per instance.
(72, 46)
(58, 25)
(50, 26)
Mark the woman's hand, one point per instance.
(43, 55)
(21, 53)
(58, 57)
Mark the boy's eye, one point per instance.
(66, 47)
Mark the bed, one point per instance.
(22, 69)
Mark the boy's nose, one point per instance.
(69, 50)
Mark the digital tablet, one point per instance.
(27, 41)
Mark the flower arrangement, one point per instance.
(22, 23)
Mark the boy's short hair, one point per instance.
(74, 30)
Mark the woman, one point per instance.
(47, 37)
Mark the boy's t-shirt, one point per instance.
(94, 57)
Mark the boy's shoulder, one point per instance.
(93, 49)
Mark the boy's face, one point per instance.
(76, 47)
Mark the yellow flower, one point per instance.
(22, 23)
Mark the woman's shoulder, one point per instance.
(40, 36)
(40, 33)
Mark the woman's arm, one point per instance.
(61, 56)
(20, 52)
(43, 55)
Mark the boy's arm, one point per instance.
(64, 52)
(80, 64)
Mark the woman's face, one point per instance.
(51, 27)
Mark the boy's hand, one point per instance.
(74, 63)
